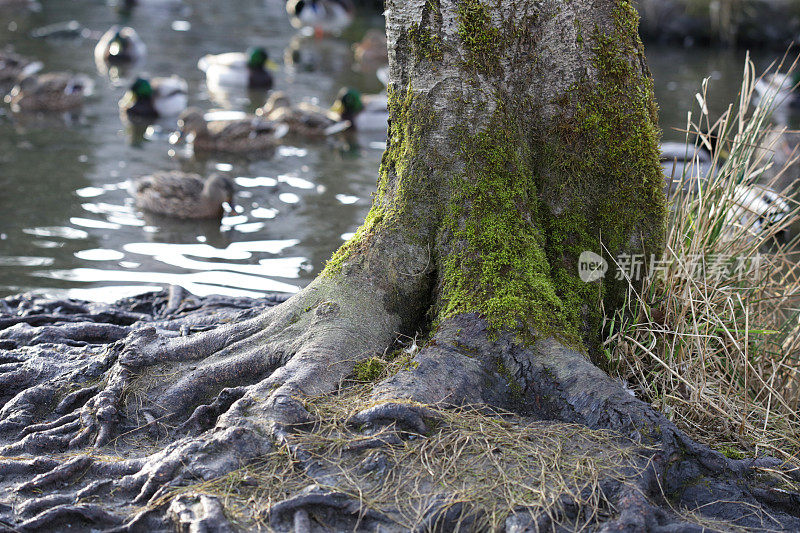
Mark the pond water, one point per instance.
(68, 226)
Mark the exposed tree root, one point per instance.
(165, 410)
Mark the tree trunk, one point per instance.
(522, 134)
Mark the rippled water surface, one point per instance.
(68, 226)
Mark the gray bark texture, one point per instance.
(521, 134)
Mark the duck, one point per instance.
(120, 45)
(375, 114)
(322, 16)
(758, 208)
(755, 206)
(53, 91)
(155, 98)
(183, 195)
(13, 66)
(304, 119)
(365, 112)
(777, 88)
(684, 164)
(239, 134)
(236, 69)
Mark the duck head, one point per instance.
(141, 89)
(139, 99)
(191, 123)
(257, 58)
(220, 189)
(348, 104)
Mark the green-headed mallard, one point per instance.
(120, 45)
(235, 135)
(755, 206)
(304, 119)
(323, 16)
(159, 97)
(237, 69)
(181, 195)
(54, 91)
(366, 113)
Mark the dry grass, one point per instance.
(495, 464)
(719, 352)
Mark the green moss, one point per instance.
(499, 267)
(607, 151)
(528, 196)
(480, 37)
(425, 44)
(370, 370)
(513, 385)
(732, 453)
(425, 40)
(516, 258)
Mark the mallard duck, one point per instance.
(755, 206)
(181, 195)
(323, 16)
(237, 69)
(236, 135)
(777, 88)
(758, 207)
(684, 165)
(375, 115)
(14, 66)
(54, 91)
(366, 113)
(304, 119)
(159, 97)
(120, 45)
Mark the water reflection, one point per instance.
(67, 223)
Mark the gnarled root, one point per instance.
(219, 398)
(466, 364)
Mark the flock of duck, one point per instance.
(188, 195)
(185, 195)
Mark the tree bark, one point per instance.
(522, 134)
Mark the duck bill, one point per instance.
(271, 65)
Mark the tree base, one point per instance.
(150, 413)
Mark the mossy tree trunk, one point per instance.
(521, 135)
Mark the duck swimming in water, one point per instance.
(366, 113)
(120, 45)
(303, 119)
(235, 135)
(159, 97)
(181, 195)
(54, 91)
(13, 66)
(691, 168)
(323, 16)
(237, 69)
